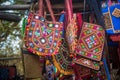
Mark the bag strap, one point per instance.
(69, 10)
(79, 22)
(91, 18)
(40, 11)
(94, 6)
(84, 9)
(49, 8)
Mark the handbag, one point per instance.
(91, 41)
(71, 30)
(63, 62)
(81, 72)
(111, 14)
(90, 45)
(43, 37)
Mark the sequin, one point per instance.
(33, 24)
(51, 50)
(42, 19)
(36, 17)
(30, 34)
(50, 25)
(42, 40)
(56, 34)
(31, 45)
(56, 25)
(54, 44)
(40, 49)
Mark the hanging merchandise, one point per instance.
(91, 41)
(81, 72)
(63, 62)
(43, 37)
(111, 15)
(71, 31)
(90, 44)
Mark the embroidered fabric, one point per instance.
(43, 37)
(91, 41)
(71, 34)
(63, 62)
(71, 30)
(111, 15)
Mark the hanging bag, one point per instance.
(62, 61)
(90, 44)
(111, 15)
(43, 37)
(71, 30)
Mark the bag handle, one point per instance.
(40, 11)
(79, 22)
(69, 10)
(49, 9)
(84, 9)
(94, 6)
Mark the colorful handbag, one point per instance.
(43, 37)
(81, 72)
(87, 63)
(90, 45)
(111, 14)
(63, 62)
(71, 31)
(91, 41)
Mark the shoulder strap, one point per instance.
(40, 7)
(94, 6)
(50, 10)
(69, 10)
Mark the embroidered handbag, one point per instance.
(111, 15)
(81, 72)
(90, 45)
(63, 62)
(71, 31)
(43, 37)
(91, 41)
(81, 60)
